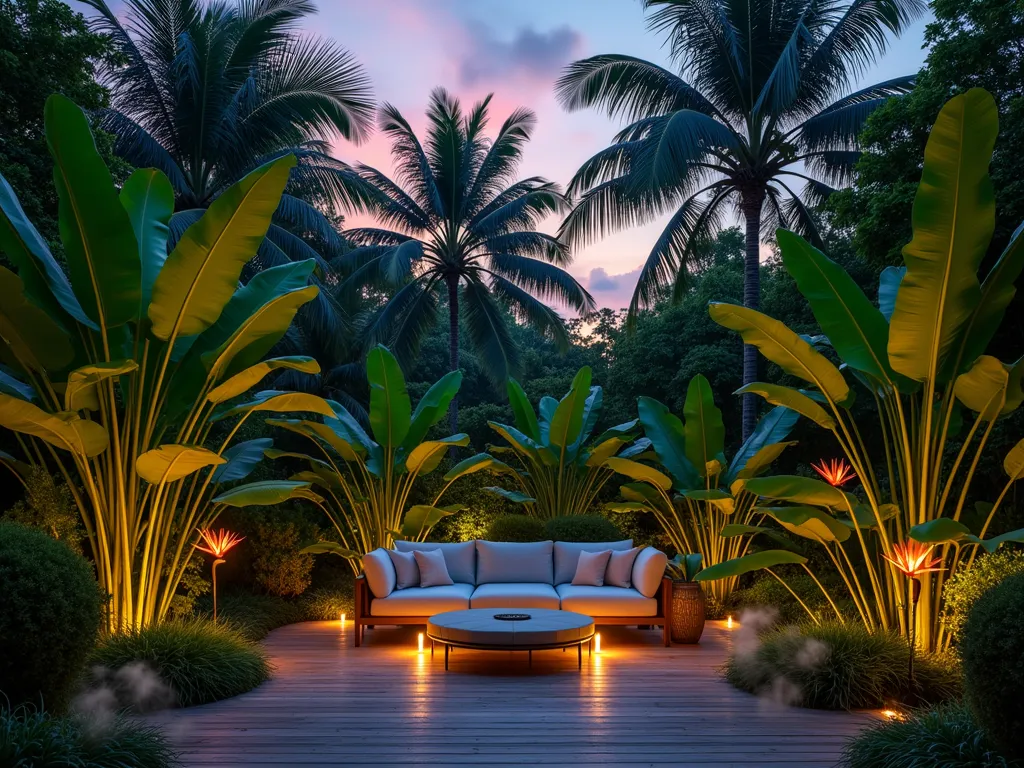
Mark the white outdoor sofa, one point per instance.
(488, 574)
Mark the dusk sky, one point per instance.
(516, 49)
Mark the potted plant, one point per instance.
(687, 599)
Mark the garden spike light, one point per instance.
(911, 559)
(217, 544)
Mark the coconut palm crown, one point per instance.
(458, 226)
(761, 103)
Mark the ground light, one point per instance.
(419, 642)
(728, 621)
(597, 643)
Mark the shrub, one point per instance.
(201, 661)
(39, 740)
(274, 541)
(992, 650)
(833, 666)
(50, 506)
(582, 528)
(50, 615)
(967, 585)
(516, 528)
(327, 604)
(944, 737)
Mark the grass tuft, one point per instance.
(201, 661)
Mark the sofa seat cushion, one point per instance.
(606, 601)
(423, 601)
(514, 595)
(567, 555)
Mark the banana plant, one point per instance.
(919, 355)
(115, 368)
(698, 497)
(558, 469)
(363, 482)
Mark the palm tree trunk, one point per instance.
(751, 204)
(453, 349)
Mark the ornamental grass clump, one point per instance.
(199, 660)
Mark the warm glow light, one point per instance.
(728, 621)
(597, 643)
(836, 472)
(892, 714)
(218, 543)
(343, 621)
(911, 558)
(419, 641)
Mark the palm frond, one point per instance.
(411, 162)
(528, 310)
(526, 210)
(498, 166)
(610, 207)
(488, 331)
(406, 319)
(536, 244)
(666, 158)
(543, 280)
(140, 149)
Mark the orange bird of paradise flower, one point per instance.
(836, 472)
(219, 542)
(911, 558)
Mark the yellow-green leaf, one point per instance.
(80, 393)
(65, 430)
(254, 374)
(36, 341)
(638, 471)
(795, 400)
(172, 462)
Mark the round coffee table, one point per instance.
(510, 629)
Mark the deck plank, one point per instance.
(637, 704)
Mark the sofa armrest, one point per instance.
(362, 597)
(648, 571)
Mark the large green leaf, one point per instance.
(567, 421)
(516, 496)
(939, 531)
(1013, 464)
(241, 459)
(245, 380)
(65, 430)
(100, 245)
(201, 274)
(739, 529)
(855, 327)
(591, 413)
(37, 342)
(953, 220)
(257, 335)
(331, 548)
(994, 543)
(771, 430)
(719, 499)
(267, 493)
(15, 387)
(668, 438)
(523, 413)
(794, 399)
(703, 427)
(80, 392)
(478, 463)
(985, 388)
(425, 457)
(763, 459)
(809, 522)
(888, 288)
(170, 463)
(280, 402)
(423, 517)
(802, 490)
(523, 444)
(641, 472)
(755, 562)
(390, 408)
(784, 348)
(46, 285)
(432, 407)
(148, 198)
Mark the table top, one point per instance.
(479, 627)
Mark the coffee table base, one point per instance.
(450, 645)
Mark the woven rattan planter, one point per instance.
(687, 612)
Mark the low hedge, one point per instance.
(582, 528)
(201, 661)
(517, 528)
(832, 666)
(962, 591)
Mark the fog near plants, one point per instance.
(134, 687)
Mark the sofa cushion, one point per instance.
(423, 601)
(648, 571)
(606, 601)
(591, 567)
(433, 571)
(502, 562)
(380, 572)
(460, 558)
(619, 572)
(514, 596)
(407, 572)
(567, 555)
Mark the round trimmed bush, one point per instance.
(515, 528)
(50, 617)
(992, 649)
(833, 666)
(582, 528)
(968, 584)
(201, 661)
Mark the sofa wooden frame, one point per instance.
(363, 619)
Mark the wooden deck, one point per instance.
(637, 703)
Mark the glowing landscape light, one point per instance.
(217, 544)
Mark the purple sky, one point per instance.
(516, 49)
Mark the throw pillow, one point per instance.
(620, 568)
(407, 573)
(590, 569)
(433, 570)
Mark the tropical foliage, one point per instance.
(365, 482)
(558, 469)
(763, 89)
(920, 356)
(458, 225)
(699, 497)
(116, 368)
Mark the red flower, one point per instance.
(218, 543)
(911, 558)
(836, 473)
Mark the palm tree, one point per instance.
(457, 225)
(761, 101)
(206, 92)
